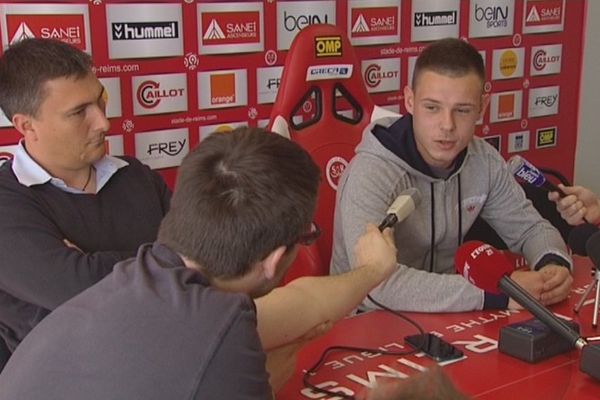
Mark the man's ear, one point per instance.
(24, 125)
(271, 261)
(409, 98)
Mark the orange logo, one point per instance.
(506, 106)
(222, 89)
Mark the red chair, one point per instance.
(323, 105)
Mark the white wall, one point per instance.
(587, 156)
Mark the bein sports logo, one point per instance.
(149, 93)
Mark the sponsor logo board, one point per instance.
(4, 121)
(293, 16)
(541, 16)
(112, 86)
(518, 141)
(162, 149)
(546, 60)
(546, 137)
(65, 22)
(543, 101)
(154, 30)
(508, 63)
(372, 23)
(495, 141)
(268, 80)
(207, 130)
(328, 46)
(506, 106)
(328, 71)
(222, 89)
(7, 152)
(434, 19)
(230, 27)
(381, 75)
(489, 18)
(114, 145)
(159, 94)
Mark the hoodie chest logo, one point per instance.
(334, 169)
(474, 203)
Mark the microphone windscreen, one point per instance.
(579, 237)
(482, 265)
(593, 248)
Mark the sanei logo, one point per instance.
(495, 17)
(66, 28)
(328, 46)
(149, 93)
(145, 30)
(296, 22)
(234, 31)
(171, 148)
(374, 75)
(438, 18)
(376, 20)
(222, 89)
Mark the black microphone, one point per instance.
(579, 237)
(527, 172)
(405, 203)
(477, 261)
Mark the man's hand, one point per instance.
(377, 249)
(557, 283)
(579, 203)
(532, 281)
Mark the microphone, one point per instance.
(486, 268)
(527, 172)
(405, 203)
(477, 261)
(580, 236)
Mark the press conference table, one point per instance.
(484, 372)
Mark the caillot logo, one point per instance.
(149, 93)
(541, 59)
(328, 46)
(145, 30)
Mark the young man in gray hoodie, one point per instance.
(460, 176)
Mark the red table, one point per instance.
(484, 372)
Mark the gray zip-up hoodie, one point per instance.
(428, 239)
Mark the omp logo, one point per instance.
(494, 17)
(149, 93)
(222, 89)
(546, 101)
(435, 18)
(213, 31)
(293, 23)
(170, 148)
(22, 32)
(508, 63)
(145, 30)
(506, 106)
(541, 59)
(360, 25)
(328, 46)
(374, 74)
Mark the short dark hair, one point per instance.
(26, 66)
(239, 196)
(452, 57)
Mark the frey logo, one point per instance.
(162, 149)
